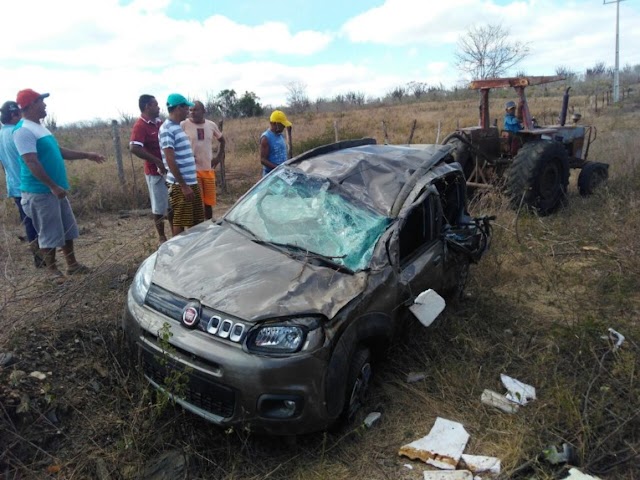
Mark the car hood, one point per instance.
(225, 270)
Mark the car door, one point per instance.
(420, 249)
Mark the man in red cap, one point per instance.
(44, 183)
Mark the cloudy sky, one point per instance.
(96, 58)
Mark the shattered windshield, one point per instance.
(291, 208)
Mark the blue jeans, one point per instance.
(26, 221)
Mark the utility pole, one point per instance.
(616, 72)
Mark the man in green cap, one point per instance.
(177, 155)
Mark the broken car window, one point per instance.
(311, 214)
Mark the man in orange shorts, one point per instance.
(201, 133)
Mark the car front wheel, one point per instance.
(358, 382)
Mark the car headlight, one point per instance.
(284, 337)
(142, 280)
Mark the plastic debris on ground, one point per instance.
(416, 377)
(518, 392)
(372, 419)
(616, 337)
(554, 457)
(494, 399)
(575, 474)
(442, 447)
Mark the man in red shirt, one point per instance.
(144, 144)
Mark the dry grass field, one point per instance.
(537, 308)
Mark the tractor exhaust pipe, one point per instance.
(565, 107)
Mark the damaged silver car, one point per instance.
(271, 316)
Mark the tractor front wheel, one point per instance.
(592, 175)
(461, 153)
(538, 176)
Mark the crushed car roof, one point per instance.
(375, 174)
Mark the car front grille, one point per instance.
(201, 391)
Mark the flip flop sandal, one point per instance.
(57, 277)
(78, 269)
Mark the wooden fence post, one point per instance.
(384, 130)
(413, 129)
(117, 148)
(335, 130)
(223, 172)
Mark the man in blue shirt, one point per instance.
(9, 116)
(511, 122)
(273, 148)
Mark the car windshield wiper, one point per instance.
(241, 227)
(324, 259)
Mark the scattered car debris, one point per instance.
(427, 306)
(372, 419)
(480, 464)
(575, 474)
(448, 475)
(494, 399)
(518, 392)
(616, 337)
(554, 457)
(442, 447)
(414, 377)
(38, 375)
(408, 466)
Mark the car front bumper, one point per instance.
(226, 385)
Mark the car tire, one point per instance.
(358, 383)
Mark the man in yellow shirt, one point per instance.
(201, 133)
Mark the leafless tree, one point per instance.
(297, 98)
(488, 52)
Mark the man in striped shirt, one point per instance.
(184, 192)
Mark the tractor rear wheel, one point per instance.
(592, 175)
(538, 176)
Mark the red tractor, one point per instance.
(532, 164)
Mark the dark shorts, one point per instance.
(26, 221)
(185, 214)
(52, 218)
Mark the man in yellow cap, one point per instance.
(273, 148)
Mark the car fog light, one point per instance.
(280, 406)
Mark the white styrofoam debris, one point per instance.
(494, 399)
(518, 392)
(448, 475)
(481, 463)
(427, 306)
(371, 419)
(442, 447)
(575, 474)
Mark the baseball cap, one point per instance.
(10, 106)
(278, 116)
(28, 96)
(509, 105)
(176, 99)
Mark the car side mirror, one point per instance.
(427, 306)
